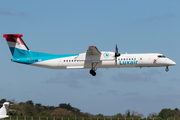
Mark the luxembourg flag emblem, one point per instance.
(38, 60)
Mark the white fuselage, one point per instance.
(107, 60)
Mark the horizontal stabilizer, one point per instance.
(3, 116)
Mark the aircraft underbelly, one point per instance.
(52, 64)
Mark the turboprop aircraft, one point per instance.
(3, 110)
(92, 58)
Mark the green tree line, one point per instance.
(28, 108)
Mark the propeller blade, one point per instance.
(116, 54)
(116, 49)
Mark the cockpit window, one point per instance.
(161, 56)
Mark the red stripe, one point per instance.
(12, 35)
(14, 38)
(21, 41)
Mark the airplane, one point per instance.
(3, 110)
(91, 59)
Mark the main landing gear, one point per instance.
(93, 69)
(92, 72)
(167, 69)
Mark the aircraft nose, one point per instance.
(172, 62)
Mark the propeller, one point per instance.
(116, 54)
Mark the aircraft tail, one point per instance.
(17, 46)
(3, 110)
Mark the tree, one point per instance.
(69, 108)
(44, 114)
(165, 113)
(28, 111)
(127, 113)
(132, 114)
(135, 114)
(152, 115)
(119, 115)
(65, 106)
(2, 101)
(60, 112)
(100, 115)
(87, 115)
(38, 105)
(30, 102)
(176, 109)
(173, 114)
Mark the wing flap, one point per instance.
(92, 50)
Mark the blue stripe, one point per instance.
(19, 53)
(30, 57)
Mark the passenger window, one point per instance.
(129, 58)
(66, 60)
(126, 58)
(74, 60)
(132, 58)
(140, 58)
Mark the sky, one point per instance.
(69, 27)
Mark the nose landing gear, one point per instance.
(167, 69)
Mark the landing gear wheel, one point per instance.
(92, 72)
(93, 69)
(167, 69)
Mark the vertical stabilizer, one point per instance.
(17, 46)
(3, 110)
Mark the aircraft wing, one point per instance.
(92, 54)
(92, 50)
